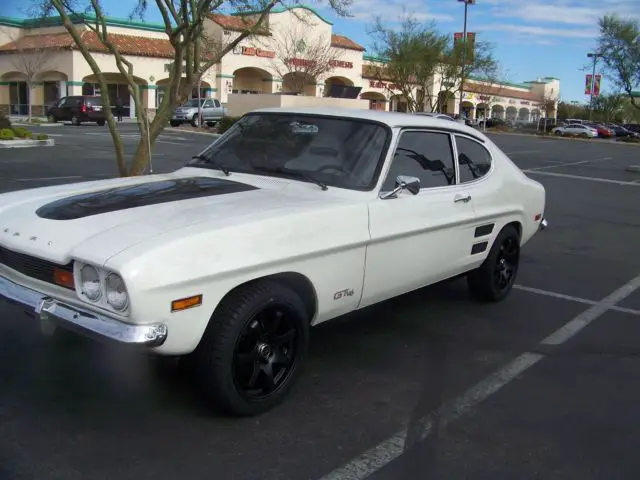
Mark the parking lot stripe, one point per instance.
(568, 164)
(385, 452)
(582, 177)
(571, 298)
(44, 178)
(568, 330)
(523, 152)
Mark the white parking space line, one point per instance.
(568, 164)
(523, 152)
(582, 177)
(571, 298)
(45, 178)
(384, 453)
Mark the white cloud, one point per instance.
(534, 30)
(367, 10)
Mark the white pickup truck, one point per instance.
(211, 111)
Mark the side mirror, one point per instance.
(403, 182)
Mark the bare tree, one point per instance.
(412, 54)
(302, 59)
(489, 84)
(193, 54)
(31, 60)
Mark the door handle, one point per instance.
(462, 198)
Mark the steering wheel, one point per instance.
(339, 168)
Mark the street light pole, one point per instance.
(593, 80)
(464, 51)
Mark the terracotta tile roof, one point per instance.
(237, 23)
(340, 41)
(127, 44)
(480, 89)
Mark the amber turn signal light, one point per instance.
(184, 303)
(63, 278)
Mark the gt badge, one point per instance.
(343, 293)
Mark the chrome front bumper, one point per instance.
(53, 313)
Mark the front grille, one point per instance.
(31, 266)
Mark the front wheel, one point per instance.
(253, 349)
(493, 280)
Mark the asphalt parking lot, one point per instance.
(428, 385)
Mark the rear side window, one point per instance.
(91, 101)
(474, 161)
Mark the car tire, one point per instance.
(51, 119)
(100, 123)
(174, 124)
(493, 280)
(558, 132)
(195, 121)
(75, 121)
(257, 328)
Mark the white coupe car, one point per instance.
(291, 218)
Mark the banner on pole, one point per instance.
(596, 85)
(587, 84)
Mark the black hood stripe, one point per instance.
(142, 195)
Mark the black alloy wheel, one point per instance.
(253, 349)
(494, 278)
(265, 353)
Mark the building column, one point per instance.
(224, 85)
(148, 93)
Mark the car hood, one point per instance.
(93, 221)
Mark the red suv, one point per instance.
(77, 109)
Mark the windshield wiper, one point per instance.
(213, 164)
(292, 173)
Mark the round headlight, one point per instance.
(90, 283)
(117, 295)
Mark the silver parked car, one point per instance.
(211, 111)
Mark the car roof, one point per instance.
(392, 119)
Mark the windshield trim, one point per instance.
(366, 188)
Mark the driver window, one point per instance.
(208, 104)
(426, 155)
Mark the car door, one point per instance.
(417, 240)
(207, 109)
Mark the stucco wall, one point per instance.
(238, 104)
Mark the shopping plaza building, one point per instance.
(257, 66)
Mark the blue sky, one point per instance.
(534, 38)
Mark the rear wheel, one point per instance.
(493, 280)
(75, 121)
(253, 350)
(174, 123)
(51, 119)
(100, 123)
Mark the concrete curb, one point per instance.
(49, 142)
(182, 130)
(19, 124)
(633, 168)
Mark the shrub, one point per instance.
(225, 123)
(42, 136)
(629, 140)
(6, 134)
(4, 121)
(22, 132)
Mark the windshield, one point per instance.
(193, 102)
(340, 152)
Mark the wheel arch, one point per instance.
(296, 281)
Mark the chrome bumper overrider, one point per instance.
(52, 313)
(543, 224)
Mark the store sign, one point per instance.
(388, 86)
(300, 62)
(467, 96)
(512, 102)
(484, 98)
(524, 102)
(340, 63)
(253, 52)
